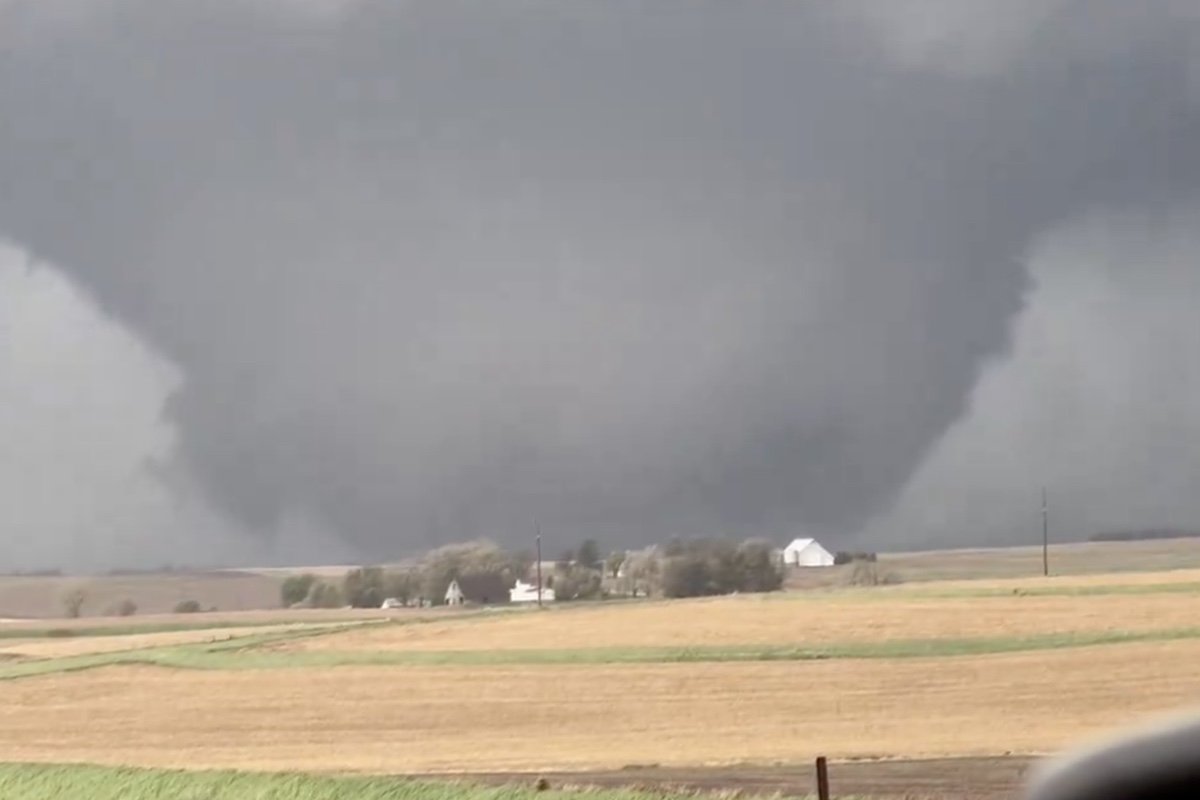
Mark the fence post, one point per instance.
(822, 778)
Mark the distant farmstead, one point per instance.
(806, 553)
(480, 590)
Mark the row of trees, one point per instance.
(680, 569)
(719, 566)
(421, 583)
(74, 600)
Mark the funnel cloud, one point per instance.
(426, 271)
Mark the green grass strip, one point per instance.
(134, 629)
(223, 658)
(38, 782)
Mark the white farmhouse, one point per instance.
(806, 553)
(527, 593)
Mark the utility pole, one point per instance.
(1045, 535)
(538, 527)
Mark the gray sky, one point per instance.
(325, 280)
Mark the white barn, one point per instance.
(806, 553)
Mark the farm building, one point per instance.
(478, 590)
(806, 553)
(527, 593)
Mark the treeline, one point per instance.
(681, 568)
(718, 566)
(420, 583)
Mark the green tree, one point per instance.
(588, 554)
(188, 607)
(324, 595)
(402, 584)
(295, 588)
(363, 587)
(577, 582)
(718, 566)
(443, 565)
(758, 570)
(686, 575)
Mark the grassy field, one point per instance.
(926, 669)
(54, 647)
(34, 782)
(800, 619)
(970, 668)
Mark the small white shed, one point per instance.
(806, 553)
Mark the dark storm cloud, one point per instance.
(432, 269)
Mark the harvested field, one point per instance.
(863, 616)
(154, 623)
(421, 719)
(1116, 583)
(1065, 559)
(89, 645)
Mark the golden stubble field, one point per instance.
(94, 645)
(800, 619)
(418, 719)
(310, 714)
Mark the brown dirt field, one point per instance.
(41, 596)
(446, 719)
(766, 620)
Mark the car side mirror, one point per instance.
(1161, 763)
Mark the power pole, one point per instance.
(1045, 535)
(538, 527)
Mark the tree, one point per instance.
(588, 554)
(188, 607)
(612, 564)
(126, 608)
(363, 587)
(577, 582)
(295, 588)
(686, 575)
(73, 602)
(718, 566)
(446, 563)
(324, 595)
(757, 568)
(643, 572)
(402, 584)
